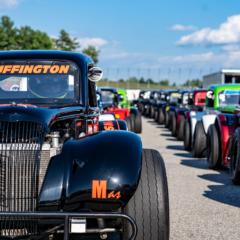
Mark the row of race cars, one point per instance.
(207, 121)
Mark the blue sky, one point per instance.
(175, 39)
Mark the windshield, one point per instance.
(174, 97)
(229, 97)
(38, 82)
(107, 97)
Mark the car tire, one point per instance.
(160, 116)
(156, 115)
(167, 119)
(152, 111)
(138, 123)
(173, 123)
(200, 141)
(129, 123)
(213, 148)
(187, 138)
(149, 207)
(180, 131)
(235, 158)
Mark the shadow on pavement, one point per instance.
(176, 147)
(195, 163)
(226, 192)
(166, 134)
(220, 187)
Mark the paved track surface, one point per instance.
(203, 203)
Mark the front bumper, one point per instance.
(66, 217)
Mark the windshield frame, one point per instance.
(76, 100)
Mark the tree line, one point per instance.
(164, 82)
(27, 38)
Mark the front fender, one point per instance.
(207, 120)
(194, 118)
(110, 159)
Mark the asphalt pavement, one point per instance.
(204, 204)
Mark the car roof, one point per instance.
(45, 54)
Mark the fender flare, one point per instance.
(207, 120)
(111, 156)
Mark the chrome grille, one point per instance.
(20, 148)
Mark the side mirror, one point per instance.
(95, 74)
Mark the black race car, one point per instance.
(66, 172)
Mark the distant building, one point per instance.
(222, 77)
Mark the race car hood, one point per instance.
(45, 116)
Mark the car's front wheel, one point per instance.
(187, 136)
(149, 207)
(235, 158)
(213, 148)
(199, 141)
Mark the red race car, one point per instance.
(196, 103)
(110, 104)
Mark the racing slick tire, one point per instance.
(200, 141)
(160, 116)
(129, 123)
(137, 123)
(167, 119)
(213, 148)
(180, 131)
(156, 115)
(152, 111)
(235, 158)
(149, 206)
(187, 139)
(173, 124)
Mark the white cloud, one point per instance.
(227, 33)
(96, 42)
(180, 27)
(8, 3)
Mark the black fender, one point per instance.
(113, 157)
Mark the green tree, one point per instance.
(66, 42)
(164, 83)
(92, 52)
(8, 34)
(27, 38)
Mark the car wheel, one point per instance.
(160, 116)
(156, 115)
(187, 138)
(213, 148)
(180, 132)
(149, 206)
(138, 123)
(200, 141)
(167, 119)
(129, 123)
(173, 123)
(152, 112)
(235, 159)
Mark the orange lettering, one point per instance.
(46, 68)
(64, 69)
(37, 69)
(99, 189)
(7, 68)
(114, 195)
(15, 68)
(54, 69)
(28, 69)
